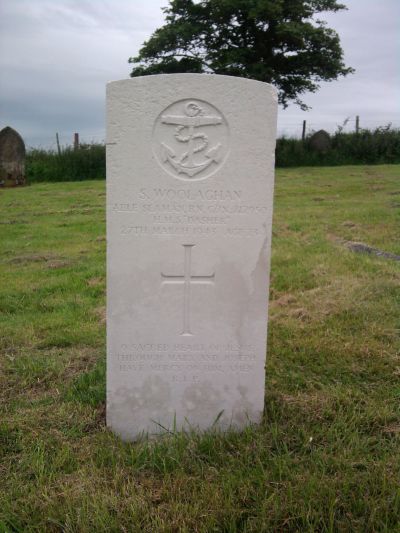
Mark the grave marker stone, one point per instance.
(12, 158)
(190, 175)
(320, 141)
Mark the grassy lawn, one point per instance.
(327, 455)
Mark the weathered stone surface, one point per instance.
(190, 174)
(320, 141)
(360, 247)
(12, 158)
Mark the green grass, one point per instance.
(326, 457)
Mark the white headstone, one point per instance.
(190, 175)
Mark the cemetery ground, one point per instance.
(327, 454)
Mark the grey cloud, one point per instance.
(56, 57)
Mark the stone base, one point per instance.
(12, 181)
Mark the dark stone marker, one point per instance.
(320, 141)
(12, 158)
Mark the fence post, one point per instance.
(357, 123)
(58, 144)
(76, 141)
(303, 133)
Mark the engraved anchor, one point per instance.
(196, 141)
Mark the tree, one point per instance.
(275, 41)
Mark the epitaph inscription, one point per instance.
(190, 167)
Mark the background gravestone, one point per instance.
(320, 141)
(190, 178)
(12, 158)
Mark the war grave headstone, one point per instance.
(12, 158)
(190, 177)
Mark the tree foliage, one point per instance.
(275, 41)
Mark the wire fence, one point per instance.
(65, 139)
(290, 129)
(86, 159)
(346, 125)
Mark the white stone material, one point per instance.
(190, 175)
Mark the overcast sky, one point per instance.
(57, 55)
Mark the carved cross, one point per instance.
(186, 279)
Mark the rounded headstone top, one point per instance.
(320, 141)
(12, 146)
